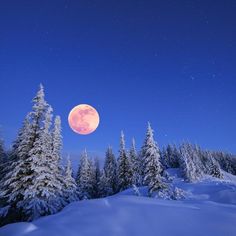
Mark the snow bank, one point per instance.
(210, 210)
(130, 215)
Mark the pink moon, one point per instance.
(83, 119)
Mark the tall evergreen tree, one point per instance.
(56, 158)
(104, 185)
(30, 186)
(172, 155)
(93, 178)
(164, 158)
(213, 166)
(97, 177)
(124, 168)
(187, 165)
(41, 194)
(12, 183)
(84, 181)
(151, 161)
(135, 164)
(110, 168)
(70, 186)
(3, 159)
(57, 139)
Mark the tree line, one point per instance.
(34, 183)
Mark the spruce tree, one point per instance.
(110, 168)
(93, 178)
(135, 164)
(172, 155)
(151, 161)
(41, 192)
(164, 158)
(56, 158)
(97, 174)
(104, 185)
(214, 167)
(187, 165)
(84, 181)
(124, 168)
(70, 186)
(12, 184)
(30, 186)
(3, 160)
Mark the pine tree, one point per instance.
(57, 139)
(172, 154)
(151, 161)
(214, 167)
(110, 167)
(187, 165)
(3, 160)
(195, 153)
(135, 164)
(124, 168)
(41, 194)
(104, 186)
(164, 158)
(97, 177)
(30, 186)
(93, 178)
(170, 157)
(84, 181)
(56, 167)
(70, 186)
(17, 168)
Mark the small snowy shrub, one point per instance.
(179, 194)
(170, 193)
(136, 190)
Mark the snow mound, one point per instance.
(210, 209)
(123, 215)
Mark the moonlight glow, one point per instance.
(83, 119)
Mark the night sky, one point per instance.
(172, 63)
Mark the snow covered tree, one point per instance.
(12, 184)
(70, 187)
(30, 186)
(124, 168)
(97, 174)
(42, 190)
(17, 168)
(151, 162)
(3, 159)
(135, 164)
(172, 154)
(2, 151)
(55, 163)
(164, 159)
(104, 185)
(57, 139)
(85, 181)
(190, 169)
(110, 169)
(195, 153)
(170, 157)
(213, 166)
(226, 161)
(93, 178)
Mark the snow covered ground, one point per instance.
(209, 210)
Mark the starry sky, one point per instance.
(168, 62)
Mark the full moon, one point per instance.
(83, 119)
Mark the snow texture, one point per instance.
(210, 209)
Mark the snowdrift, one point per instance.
(210, 209)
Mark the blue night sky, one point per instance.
(168, 62)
